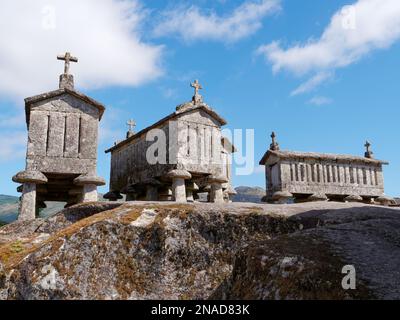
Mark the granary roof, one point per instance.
(48, 95)
(180, 110)
(318, 156)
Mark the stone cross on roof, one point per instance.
(131, 124)
(197, 98)
(274, 145)
(368, 153)
(67, 58)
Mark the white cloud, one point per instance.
(320, 101)
(312, 83)
(354, 31)
(102, 34)
(191, 23)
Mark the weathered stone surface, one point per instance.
(30, 176)
(307, 264)
(199, 251)
(89, 179)
(62, 146)
(188, 140)
(353, 198)
(307, 173)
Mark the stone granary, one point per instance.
(306, 176)
(61, 156)
(195, 158)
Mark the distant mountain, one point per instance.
(249, 194)
(9, 209)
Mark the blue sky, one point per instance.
(287, 66)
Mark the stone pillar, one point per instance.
(29, 180)
(189, 195)
(179, 190)
(217, 194)
(178, 184)
(190, 189)
(89, 193)
(165, 194)
(89, 184)
(27, 209)
(151, 193)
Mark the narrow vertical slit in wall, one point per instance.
(376, 177)
(313, 172)
(48, 134)
(319, 173)
(334, 174)
(65, 136)
(291, 172)
(338, 174)
(188, 140)
(211, 145)
(205, 143)
(79, 135)
(364, 172)
(328, 174)
(198, 143)
(297, 172)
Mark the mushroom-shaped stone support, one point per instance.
(113, 196)
(217, 195)
(35, 177)
(353, 198)
(385, 200)
(178, 184)
(84, 179)
(90, 184)
(281, 197)
(317, 197)
(29, 179)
